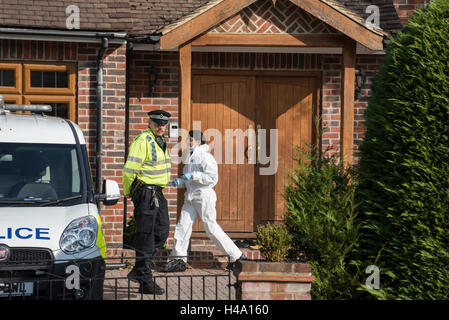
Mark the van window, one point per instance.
(38, 173)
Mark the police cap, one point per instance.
(159, 116)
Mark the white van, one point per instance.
(49, 219)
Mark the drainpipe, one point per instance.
(129, 49)
(100, 85)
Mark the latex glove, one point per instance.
(187, 176)
(176, 182)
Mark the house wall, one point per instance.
(406, 8)
(167, 90)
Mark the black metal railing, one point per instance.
(106, 279)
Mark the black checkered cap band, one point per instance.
(158, 117)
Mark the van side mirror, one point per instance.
(111, 192)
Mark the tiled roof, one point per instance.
(151, 16)
(388, 17)
(110, 15)
(139, 17)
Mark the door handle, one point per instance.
(258, 144)
(250, 149)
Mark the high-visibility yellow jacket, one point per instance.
(146, 161)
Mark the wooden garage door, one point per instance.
(232, 104)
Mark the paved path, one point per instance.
(193, 284)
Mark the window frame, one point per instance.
(69, 68)
(32, 99)
(16, 98)
(23, 93)
(17, 88)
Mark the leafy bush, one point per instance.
(274, 241)
(320, 216)
(404, 165)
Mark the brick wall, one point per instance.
(331, 112)
(406, 8)
(165, 97)
(113, 155)
(273, 281)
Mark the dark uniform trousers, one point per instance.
(152, 225)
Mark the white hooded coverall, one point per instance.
(199, 200)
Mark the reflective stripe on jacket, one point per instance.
(146, 161)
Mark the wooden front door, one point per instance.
(286, 105)
(224, 107)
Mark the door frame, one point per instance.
(317, 98)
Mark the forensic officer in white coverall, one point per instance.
(200, 176)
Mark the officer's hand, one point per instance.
(175, 182)
(187, 176)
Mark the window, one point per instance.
(7, 78)
(10, 78)
(41, 83)
(62, 106)
(38, 173)
(48, 79)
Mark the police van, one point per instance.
(52, 244)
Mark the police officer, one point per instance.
(145, 174)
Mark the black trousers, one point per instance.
(153, 226)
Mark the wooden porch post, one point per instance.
(347, 101)
(184, 106)
(185, 74)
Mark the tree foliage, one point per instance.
(404, 165)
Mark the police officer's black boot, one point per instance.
(148, 286)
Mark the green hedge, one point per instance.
(404, 165)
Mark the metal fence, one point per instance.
(98, 279)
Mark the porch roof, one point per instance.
(333, 13)
(145, 17)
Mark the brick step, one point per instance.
(199, 256)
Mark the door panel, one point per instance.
(285, 105)
(226, 103)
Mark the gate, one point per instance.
(94, 279)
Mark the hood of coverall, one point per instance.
(205, 172)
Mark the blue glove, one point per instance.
(187, 176)
(175, 182)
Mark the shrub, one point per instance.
(320, 216)
(404, 165)
(274, 241)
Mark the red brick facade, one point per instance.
(405, 8)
